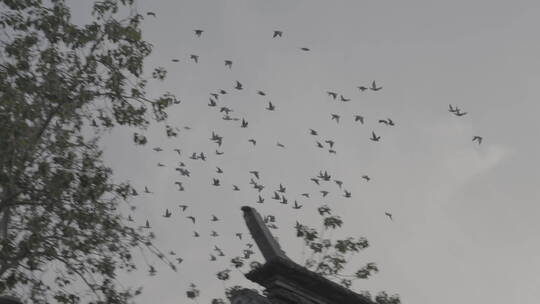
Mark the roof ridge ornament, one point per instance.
(266, 242)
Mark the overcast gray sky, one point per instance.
(465, 215)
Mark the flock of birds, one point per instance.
(326, 182)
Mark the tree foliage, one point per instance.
(328, 256)
(61, 85)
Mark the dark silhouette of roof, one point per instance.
(282, 275)
(9, 300)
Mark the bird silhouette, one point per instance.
(284, 200)
(146, 190)
(130, 219)
(332, 151)
(359, 118)
(195, 234)
(244, 123)
(253, 141)
(339, 183)
(305, 195)
(459, 113)
(296, 205)
(324, 176)
(198, 33)
(324, 193)
(183, 207)
(255, 185)
(212, 257)
(192, 218)
(212, 103)
(225, 110)
(228, 63)
(330, 142)
(175, 60)
(179, 260)
(305, 49)
(374, 86)
(367, 178)
(167, 213)
(312, 132)
(315, 180)
(180, 186)
(282, 189)
(214, 218)
(238, 86)
(157, 149)
(261, 93)
(478, 139)
(280, 145)
(178, 151)
(183, 172)
(151, 14)
(387, 122)
(362, 88)
(277, 34)
(276, 196)
(214, 233)
(319, 145)
(202, 156)
(332, 94)
(389, 215)
(270, 106)
(255, 173)
(222, 92)
(219, 152)
(147, 224)
(219, 170)
(217, 139)
(347, 194)
(194, 57)
(260, 200)
(324, 210)
(342, 98)
(238, 235)
(374, 137)
(236, 188)
(215, 182)
(335, 117)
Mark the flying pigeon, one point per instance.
(198, 33)
(238, 85)
(374, 86)
(374, 137)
